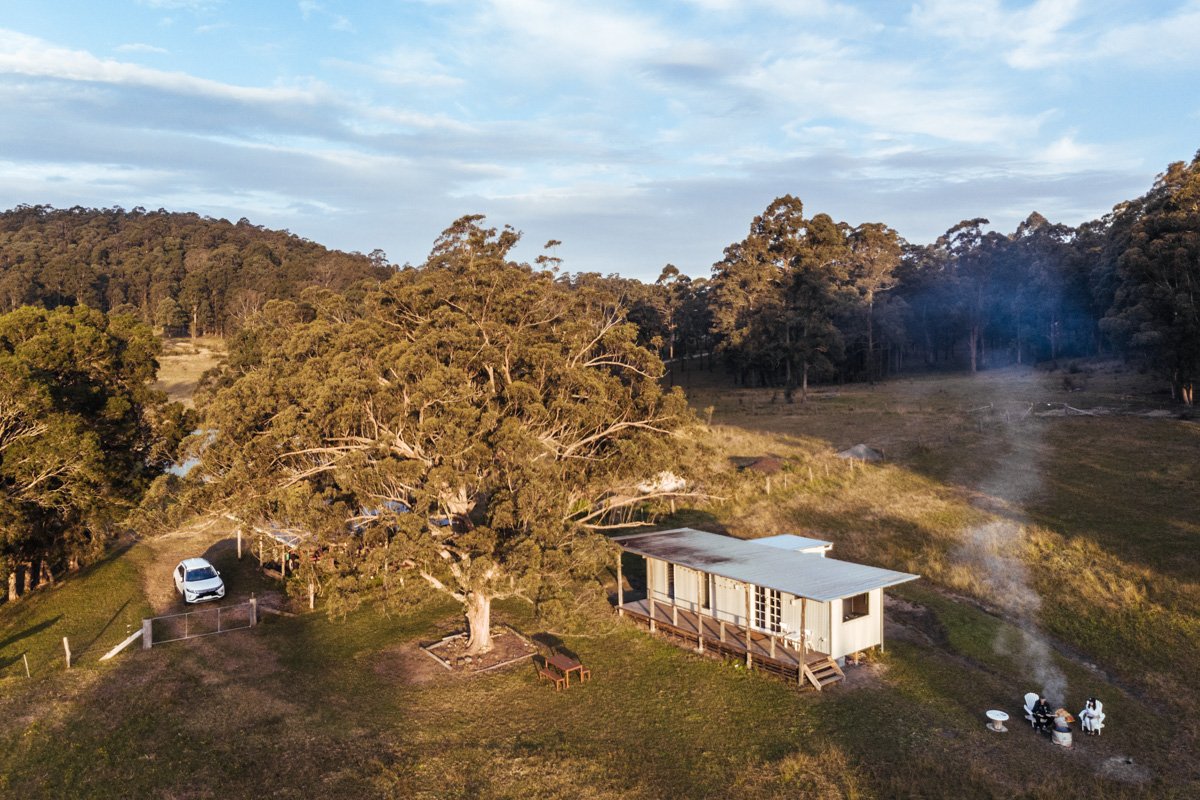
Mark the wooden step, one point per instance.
(822, 673)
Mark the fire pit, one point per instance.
(1061, 733)
(998, 718)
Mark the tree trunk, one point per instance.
(12, 584)
(871, 341)
(479, 623)
(804, 385)
(973, 340)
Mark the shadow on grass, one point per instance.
(107, 625)
(30, 631)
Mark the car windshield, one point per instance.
(201, 574)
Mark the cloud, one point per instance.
(181, 5)
(140, 47)
(402, 66)
(1032, 37)
(1050, 33)
(636, 134)
(28, 55)
(311, 8)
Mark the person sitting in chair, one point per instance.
(1091, 716)
(1043, 715)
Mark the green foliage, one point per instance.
(82, 434)
(1156, 308)
(166, 268)
(470, 421)
(801, 294)
(776, 293)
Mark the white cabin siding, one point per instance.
(687, 588)
(862, 632)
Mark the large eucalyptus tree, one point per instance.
(473, 422)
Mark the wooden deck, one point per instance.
(705, 634)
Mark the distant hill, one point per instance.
(172, 269)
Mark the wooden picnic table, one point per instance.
(566, 665)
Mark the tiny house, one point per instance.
(779, 601)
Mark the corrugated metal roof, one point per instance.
(801, 574)
(790, 541)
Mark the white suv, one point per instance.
(197, 580)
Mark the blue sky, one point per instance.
(637, 133)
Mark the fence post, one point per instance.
(147, 635)
(253, 611)
(67, 648)
(239, 544)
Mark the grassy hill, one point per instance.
(993, 490)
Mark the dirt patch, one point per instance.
(408, 663)
(508, 646)
(863, 675)
(213, 539)
(1122, 768)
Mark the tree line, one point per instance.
(180, 272)
(804, 297)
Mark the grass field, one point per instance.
(182, 363)
(1094, 517)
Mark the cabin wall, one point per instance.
(687, 588)
(863, 632)
(731, 601)
(814, 617)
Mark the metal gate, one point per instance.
(201, 622)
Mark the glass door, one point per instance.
(768, 609)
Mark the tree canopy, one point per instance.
(473, 422)
(82, 433)
(169, 269)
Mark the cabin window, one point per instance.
(857, 606)
(670, 581)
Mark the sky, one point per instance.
(636, 133)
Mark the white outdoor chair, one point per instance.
(1092, 719)
(1030, 699)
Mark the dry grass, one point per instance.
(183, 362)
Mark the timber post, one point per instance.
(650, 595)
(312, 595)
(253, 611)
(803, 631)
(239, 537)
(675, 615)
(721, 628)
(147, 634)
(67, 650)
(620, 590)
(749, 641)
